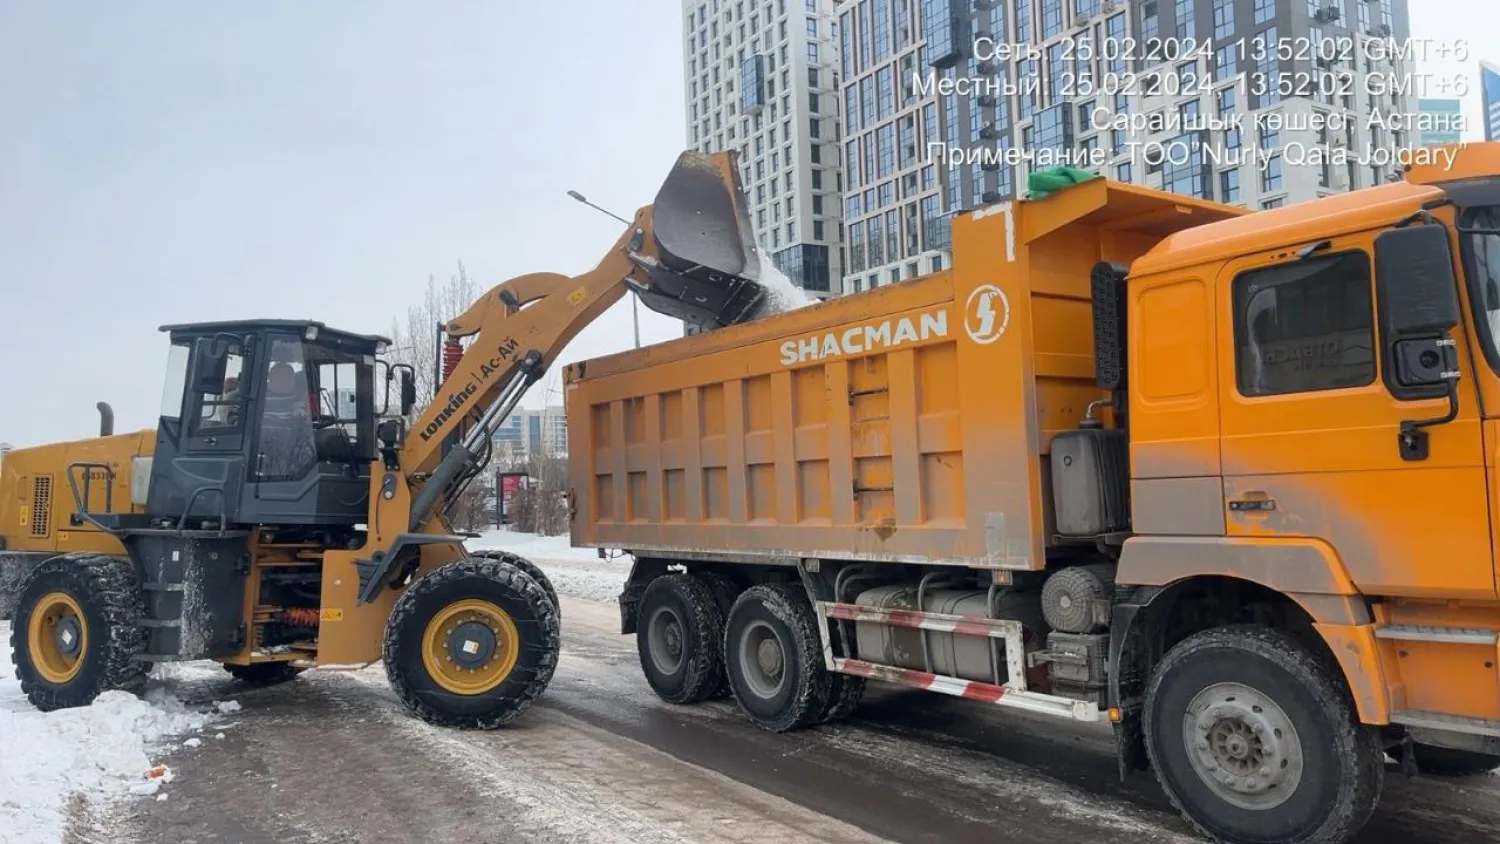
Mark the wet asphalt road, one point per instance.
(330, 758)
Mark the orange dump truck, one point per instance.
(1226, 479)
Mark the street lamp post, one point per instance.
(635, 307)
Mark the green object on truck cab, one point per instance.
(1043, 183)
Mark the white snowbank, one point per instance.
(532, 546)
(102, 751)
(575, 572)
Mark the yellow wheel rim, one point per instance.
(57, 637)
(470, 646)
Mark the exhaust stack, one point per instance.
(106, 419)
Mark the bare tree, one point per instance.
(415, 341)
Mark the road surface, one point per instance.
(331, 758)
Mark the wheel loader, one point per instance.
(284, 515)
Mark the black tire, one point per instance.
(678, 634)
(1279, 683)
(725, 591)
(778, 697)
(531, 569)
(1449, 762)
(263, 673)
(108, 592)
(502, 585)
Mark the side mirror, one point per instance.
(1418, 295)
(408, 391)
(210, 363)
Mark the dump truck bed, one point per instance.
(907, 423)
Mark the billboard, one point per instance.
(1489, 82)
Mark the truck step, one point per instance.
(1444, 721)
(1042, 704)
(1451, 635)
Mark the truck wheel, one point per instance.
(471, 644)
(774, 658)
(263, 673)
(1255, 741)
(1449, 762)
(75, 632)
(724, 591)
(845, 691)
(678, 633)
(530, 568)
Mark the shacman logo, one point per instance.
(866, 338)
(987, 314)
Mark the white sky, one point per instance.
(180, 161)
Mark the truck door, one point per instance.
(1311, 416)
(200, 458)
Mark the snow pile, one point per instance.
(101, 752)
(781, 294)
(533, 547)
(574, 572)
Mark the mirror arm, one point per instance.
(1413, 437)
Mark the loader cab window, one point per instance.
(175, 388)
(220, 411)
(1305, 326)
(317, 406)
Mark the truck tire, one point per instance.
(1449, 762)
(530, 568)
(471, 644)
(1254, 740)
(76, 631)
(678, 634)
(725, 591)
(263, 673)
(845, 691)
(774, 658)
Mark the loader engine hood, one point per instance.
(708, 267)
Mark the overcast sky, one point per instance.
(164, 162)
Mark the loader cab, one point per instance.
(266, 422)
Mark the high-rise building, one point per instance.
(1259, 103)
(530, 433)
(761, 78)
(1489, 76)
(1442, 122)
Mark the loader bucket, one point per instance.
(708, 269)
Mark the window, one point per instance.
(220, 410)
(1229, 186)
(812, 27)
(1270, 180)
(176, 385)
(1227, 62)
(1122, 172)
(1273, 203)
(1304, 326)
(1223, 19)
(1187, 21)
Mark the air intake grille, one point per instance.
(41, 505)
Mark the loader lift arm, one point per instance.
(690, 254)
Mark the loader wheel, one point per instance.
(75, 634)
(774, 658)
(263, 673)
(1449, 762)
(530, 568)
(1255, 741)
(679, 634)
(471, 644)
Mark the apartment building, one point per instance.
(761, 78)
(1259, 103)
(529, 433)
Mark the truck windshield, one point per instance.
(1480, 230)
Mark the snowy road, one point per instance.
(330, 758)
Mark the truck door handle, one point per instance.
(1252, 505)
